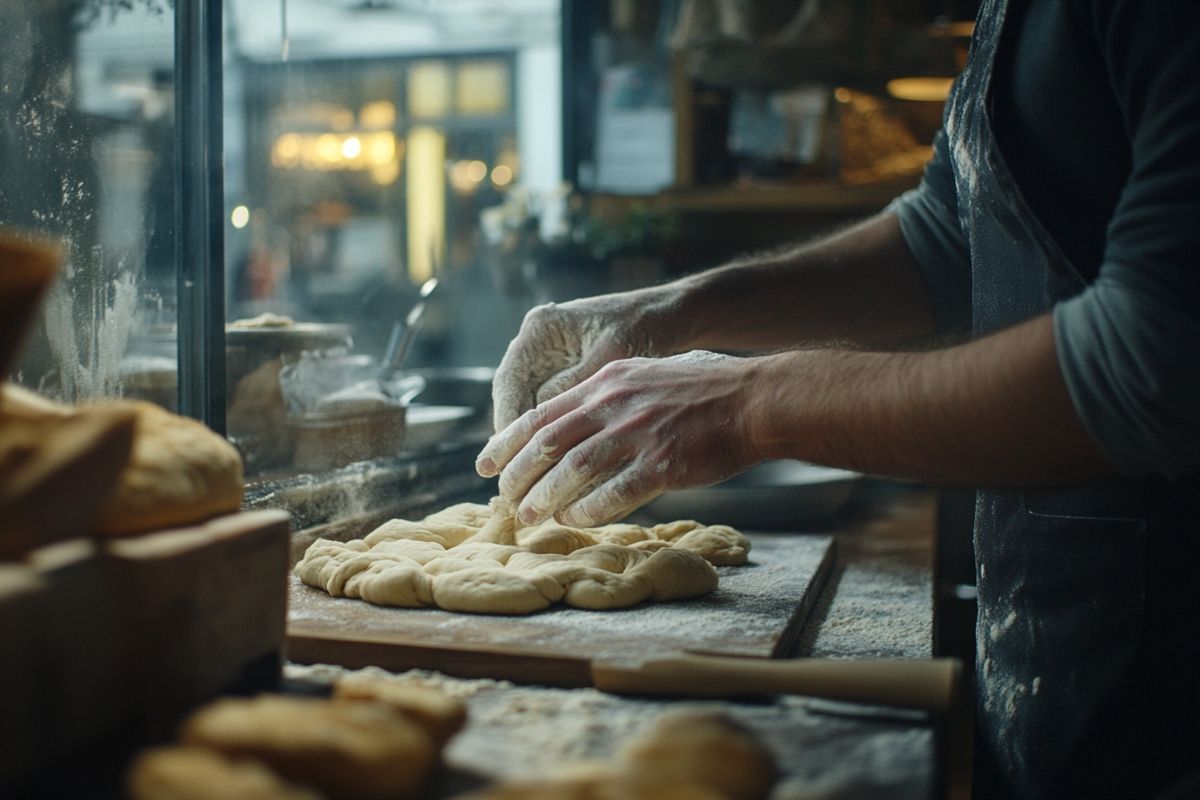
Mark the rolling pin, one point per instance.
(928, 685)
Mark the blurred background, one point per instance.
(520, 151)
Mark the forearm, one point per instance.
(861, 286)
(995, 411)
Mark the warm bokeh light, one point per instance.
(329, 148)
(927, 90)
(286, 152)
(841, 94)
(481, 87)
(335, 151)
(385, 174)
(477, 171)
(429, 89)
(378, 115)
(460, 179)
(381, 148)
(425, 185)
(240, 217)
(502, 175)
(962, 30)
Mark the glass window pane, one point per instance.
(363, 150)
(429, 89)
(86, 157)
(482, 87)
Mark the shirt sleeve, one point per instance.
(930, 225)
(1129, 345)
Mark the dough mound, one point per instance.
(344, 749)
(475, 558)
(607, 787)
(190, 773)
(686, 755)
(706, 747)
(179, 472)
(439, 714)
(176, 471)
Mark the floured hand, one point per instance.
(561, 345)
(634, 429)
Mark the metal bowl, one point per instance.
(295, 338)
(775, 495)
(456, 386)
(429, 426)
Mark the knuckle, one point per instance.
(578, 460)
(618, 395)
(658, 459)
(529, 420)
(538, 417)
(619, 492)
(545, 444)
(541, 316)
(611, 371)
(641, 418)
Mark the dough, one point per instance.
(441, 715)
(346, 749)
(686, 755)
(21, 403)
(608, 787)
(191, 773)
(474, 558)
(706, 747)
(266, 319)
(176, 472)
(180, 472)
(56, 472)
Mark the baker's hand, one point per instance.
(560, 345)
(634, 429)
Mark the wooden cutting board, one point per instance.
(758, 610)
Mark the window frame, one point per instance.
(199, 211)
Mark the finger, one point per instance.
(544, 450)
(617, 497)
(585, 466)
(501, 448)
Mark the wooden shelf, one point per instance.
(828, 198)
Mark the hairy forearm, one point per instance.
(991, 412)
(861, 286)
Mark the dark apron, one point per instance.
(1087, 675)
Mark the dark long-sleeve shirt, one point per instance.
(1096, 109)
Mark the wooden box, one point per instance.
(119, 640)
